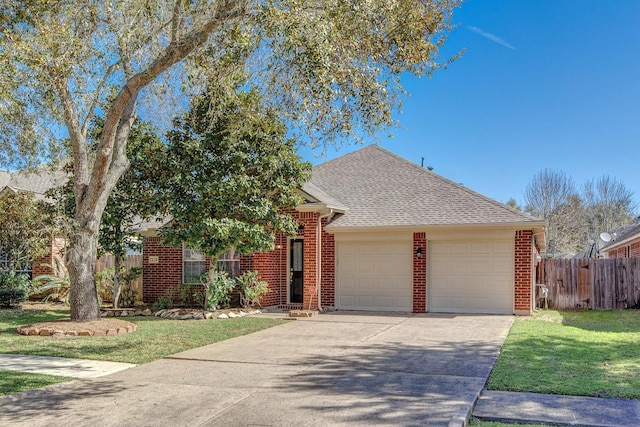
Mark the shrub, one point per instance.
(14, 288)
(162, 303)
(251, 289)
(59, 283)
(218, 287)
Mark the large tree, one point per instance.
(608, 204)
(331, 67)
(546, 196)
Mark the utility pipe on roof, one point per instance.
(319, 255)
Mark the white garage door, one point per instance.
(374, 276)
(471, 277)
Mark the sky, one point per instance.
(541, 84)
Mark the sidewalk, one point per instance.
(60, 366)
(534, 408)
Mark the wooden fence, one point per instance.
(599, 284)
(107, 261)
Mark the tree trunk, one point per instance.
(117, 268)
(81, 260)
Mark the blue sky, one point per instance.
(542, 84)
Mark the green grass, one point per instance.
(587, 353)
(154, 339)
(15, 382)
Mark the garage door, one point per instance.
(374, 276)
(471, 277)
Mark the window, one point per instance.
(229, 262)
(5, 264)
(193, 265)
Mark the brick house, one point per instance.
(380, 233)
(625, 242)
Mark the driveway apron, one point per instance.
(333, 369)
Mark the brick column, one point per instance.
(523, 286)
(419, 273)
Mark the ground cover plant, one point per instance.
(584, 353)
(154, 339)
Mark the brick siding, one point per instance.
(419, 273)
(630, 250)
(524, 249)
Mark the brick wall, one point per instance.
(631, 250)
(272, 265)
(56, 251)
(524, 251)
(419, 273)
(163, 279)
(328, 271)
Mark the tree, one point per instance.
(545, 196)
(608, 205)
(331, 68)
(131, 200)
(226, 178)
(26, 229)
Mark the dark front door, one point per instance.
(295, 262)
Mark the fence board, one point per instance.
(108, 261)
(601, 284)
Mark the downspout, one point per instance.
(319, 255)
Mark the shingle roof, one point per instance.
(37, 180)
(623, 233)
(382, 189)
(322, 196)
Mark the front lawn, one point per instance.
(15, 382)
(154, 339)
(586, 353)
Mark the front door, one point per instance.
(295, 263)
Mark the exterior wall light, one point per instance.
(419, 252)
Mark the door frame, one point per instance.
(290, 243)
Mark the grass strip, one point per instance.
(586, 353)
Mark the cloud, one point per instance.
(490, 36)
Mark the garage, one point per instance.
(471, 276)
(374, 276)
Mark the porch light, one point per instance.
(419, 252)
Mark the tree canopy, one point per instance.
(225, 180)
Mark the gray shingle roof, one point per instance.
(623, 233)
(37, 180)
(382, 189)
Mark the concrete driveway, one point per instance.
(333, 369)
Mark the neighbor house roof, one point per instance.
(37, 180)
(382, 189)
(623, 235)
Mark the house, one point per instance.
(378, 232)
(36, 181)
(625, 242)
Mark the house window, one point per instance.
(229, 262)
(193, 265)
(5, 264)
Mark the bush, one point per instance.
(251, 289)
(218, 287)
(56, 285)
(14, 288)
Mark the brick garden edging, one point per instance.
(66, 328)
(178, 313)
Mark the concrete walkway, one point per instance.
(60, 366)
(333, 369)
(533, 408)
